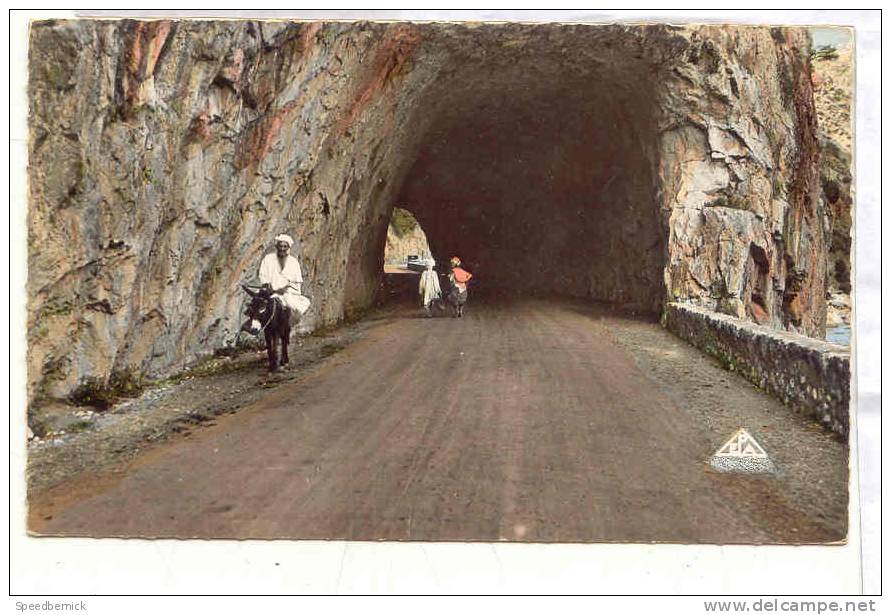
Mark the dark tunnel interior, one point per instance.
(540, 173)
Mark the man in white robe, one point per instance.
(429, 288)
(282, 272)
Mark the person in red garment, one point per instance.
(459, 278)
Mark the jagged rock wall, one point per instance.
(833, 97)
(622, 163)
(164, 158)
(747, 227)
(837, 183)
(833, 79)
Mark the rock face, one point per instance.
(833, 87)
(836, 180)
(632, 164)
(747, 229)
(833, 78)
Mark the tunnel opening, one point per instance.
(406, 246)
(539, 169)
(406, 253)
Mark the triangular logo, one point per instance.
(741, 444)
(742, 454)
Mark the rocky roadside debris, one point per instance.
(76, 439)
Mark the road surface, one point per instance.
(524, 421)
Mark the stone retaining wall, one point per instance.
(810, 375)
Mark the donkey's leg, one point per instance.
(286, 336)
(270, 351)
(285, 359)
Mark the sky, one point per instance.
(830, 36)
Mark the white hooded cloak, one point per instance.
(429, 286)
(291, 276)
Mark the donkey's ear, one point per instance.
(252, 293)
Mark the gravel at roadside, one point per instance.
(98, 441)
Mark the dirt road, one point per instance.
(530, 421)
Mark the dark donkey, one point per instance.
(267, 314)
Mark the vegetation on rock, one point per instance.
(402, 222)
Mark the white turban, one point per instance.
(284, 239)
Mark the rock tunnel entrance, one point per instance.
(634, 164)
(406, 241)
(540, 172)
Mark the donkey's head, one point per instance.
(260, 311)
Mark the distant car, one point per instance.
(413, 262)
